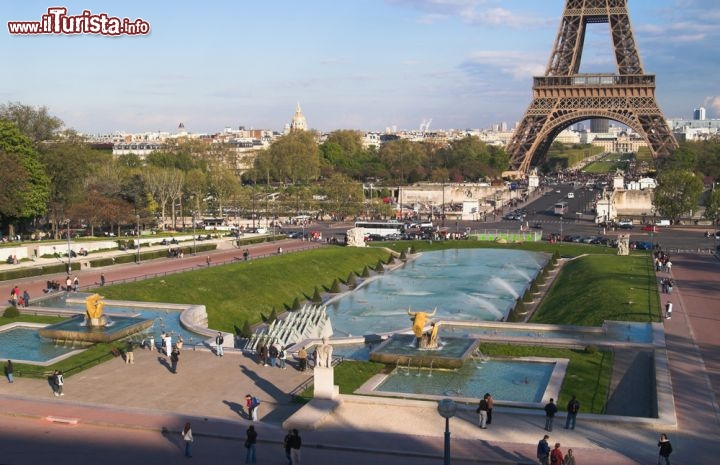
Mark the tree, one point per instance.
(712, 207)
(34, 122)
(296, 157)
(677, 193)
(31, 199)
(345, 196)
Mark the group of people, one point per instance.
(573, 407)
(662, 261)
(554, 456)
(274, 355)
(17, 299)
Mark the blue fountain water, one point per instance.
(464, 284)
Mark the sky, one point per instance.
(350, 64)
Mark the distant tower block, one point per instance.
(600, 126)
(564, 97)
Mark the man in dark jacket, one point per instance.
(550, 411)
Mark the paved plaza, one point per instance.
(116, 413)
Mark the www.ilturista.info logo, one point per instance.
(57, 21)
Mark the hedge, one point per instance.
(27, 272)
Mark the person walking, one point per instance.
(273, 352)
(295, 445)
(76, 283)
(302, 357)
(174, 359)
(250, 441)
(556, 456)
(550, 411)
(187, 436)
(219, 340)
(543, 450)
(573, 407)
(665, 450)
(668, 310)
(286, 445)
(491, 404)
(252, 404)
(482, 411)
(102, 279)
(26, 298)
(58, 382)
(282, 356)
(569, 458)
(129, 355)
(9, 371)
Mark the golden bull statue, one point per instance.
(419, 322)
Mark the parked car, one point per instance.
(651, 228)
(663, 223)
(625, 224)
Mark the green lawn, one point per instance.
(595, 288)
(588, 374)
(245, 291)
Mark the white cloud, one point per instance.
(519, 65)
(472, 12)
(714, 103)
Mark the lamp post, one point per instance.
(446, 409)
(69, 267)
(193, 220)
(138, 238)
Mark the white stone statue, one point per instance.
(324, 354)
(356, 237)
(623, 247)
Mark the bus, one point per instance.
(380, 228)
(561, 208)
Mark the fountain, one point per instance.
(95, 326)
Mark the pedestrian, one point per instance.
(482, 411)
(263, 355)
(58, 382)
(273, 353)
(187, 436)
(295, 445)
(282, 356)
(129, 355)
(208, 260)
(26, 298)
(543, 450)
(9, 371)
(252, 404)
(219, 340)
(76, 283)
(174, 359)
(556, 456)
(151, 343)
(668, 310)
(573, 407)
(491, 404)
(68, 283)
(288, 449)
(550, 411)
(302, 357)
(168, 344)
(102, 279)
(665, 449)
(250, 441)
(569, 458)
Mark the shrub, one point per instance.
(11, 312)
(295, 304)
(316, 298)
(403, 255)
(412, 249)
(555, 257)
(273, 316)
(335, 286)
(379, 267)
(534, 286)
(391, 260)
(365, 272)
(527, 297)
(591, 349)
(246, 330)
(351, 282)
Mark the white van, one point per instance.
(664, 223)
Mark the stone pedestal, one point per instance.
(324, 383)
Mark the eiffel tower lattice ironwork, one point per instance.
(564, 97)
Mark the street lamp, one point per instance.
(138, 238)
(446, 409)
(193, 220)
(69, 267)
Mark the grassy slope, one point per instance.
(594, 288)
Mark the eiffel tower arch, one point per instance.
(563, 96)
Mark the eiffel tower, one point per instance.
(564, 97)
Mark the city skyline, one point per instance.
(351, 65)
